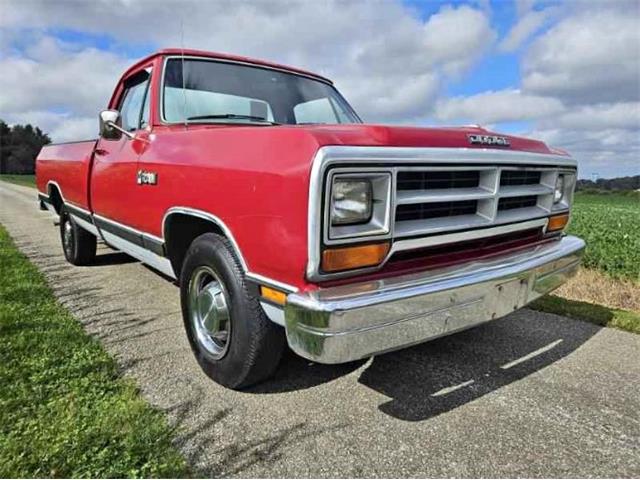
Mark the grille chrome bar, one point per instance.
(441, 195)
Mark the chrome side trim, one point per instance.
(126, 227)
(69, 203)
(270, 282)
(147, 257)
(211, 218)
(227, 232)
(348, 322)
(329, 156)
(89, 227)
(54, 183)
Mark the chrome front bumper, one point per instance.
(344, 323)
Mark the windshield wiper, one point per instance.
(233, 116)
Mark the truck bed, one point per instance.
(68, 166)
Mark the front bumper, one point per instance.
(345, 323)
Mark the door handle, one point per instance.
(100, 151)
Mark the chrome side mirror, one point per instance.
(111, 125)
(109, 119)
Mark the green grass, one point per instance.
(26, 180)
(610, 224)
(64, 409)
(598, 314)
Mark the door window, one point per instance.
(135, 97)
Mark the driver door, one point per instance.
(115, 165)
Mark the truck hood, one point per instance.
(404, 136)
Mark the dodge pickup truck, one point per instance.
(286, 220)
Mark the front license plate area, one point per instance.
(509, 296)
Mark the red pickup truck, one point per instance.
(284, 218)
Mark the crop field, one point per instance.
(610, 224)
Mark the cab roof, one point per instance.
(227, 57)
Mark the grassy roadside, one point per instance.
(64, 409)
(25, 180)
(607, 291)
(590, 312)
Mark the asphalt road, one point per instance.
(532, 395)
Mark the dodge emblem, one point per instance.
(488, 140)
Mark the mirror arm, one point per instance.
(128, 134)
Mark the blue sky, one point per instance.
(564, 72)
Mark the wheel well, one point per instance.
(179, 231)
(56, 198)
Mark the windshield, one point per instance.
(232, 93)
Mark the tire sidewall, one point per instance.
(64, 219)
(211, 251)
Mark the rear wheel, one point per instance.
(78, 245)
(233, 340)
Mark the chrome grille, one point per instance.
(433, 200)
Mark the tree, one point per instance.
(19, 147)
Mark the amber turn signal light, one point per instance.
(557, 222)
(273, 295)
(348, 258)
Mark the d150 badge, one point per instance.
(147, 178)
(488, 140)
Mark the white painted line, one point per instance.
(447, 390)
(529, 356)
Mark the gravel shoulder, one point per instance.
(533, 394)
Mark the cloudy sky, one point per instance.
(564, 72)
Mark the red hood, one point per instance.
(401, 136)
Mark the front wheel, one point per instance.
(233, 340)
(78, 245)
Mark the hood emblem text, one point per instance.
(488, 140)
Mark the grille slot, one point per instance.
(440, 199)
(510, 203)
(520, 177)
(423, 211)
(437, 180)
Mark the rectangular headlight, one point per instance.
(351, 201)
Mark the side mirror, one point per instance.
(108, 120)
(111, 125)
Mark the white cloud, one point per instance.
(591, 56)
(390, 62)
(624, 115)
(581, 76)
(77, 81)
(497, 106)
(530, 21)
(608, 152)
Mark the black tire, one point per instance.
(247, 346)
(78, 245)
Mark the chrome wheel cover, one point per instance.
(209, 312)
(67, 238)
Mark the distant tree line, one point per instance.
(620, 183)
(19, 147)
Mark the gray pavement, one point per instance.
(529, 395)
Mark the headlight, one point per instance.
(558, 192)
(351, 201)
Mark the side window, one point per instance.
(146, 109)
(134, 98)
